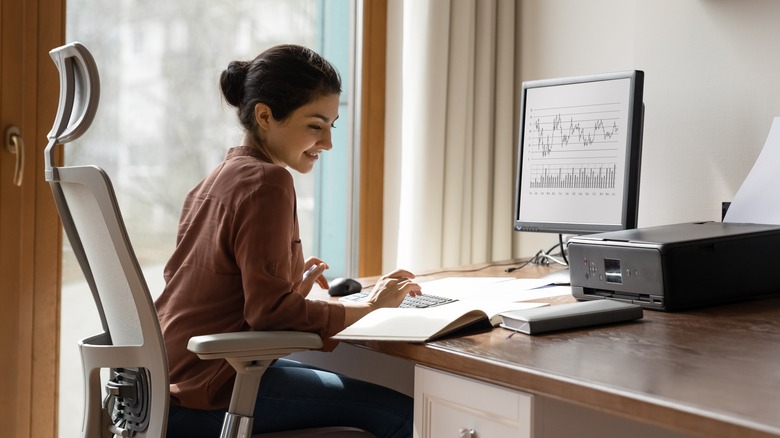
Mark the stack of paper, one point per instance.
(751, 205)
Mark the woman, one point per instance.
(238, 263)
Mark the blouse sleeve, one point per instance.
(265, 240)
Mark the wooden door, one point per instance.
(29, 228)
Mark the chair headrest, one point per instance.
(79, 96)
(79, 92)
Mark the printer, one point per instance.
(679, 266)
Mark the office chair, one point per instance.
(131, 345)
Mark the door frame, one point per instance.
(30, 232)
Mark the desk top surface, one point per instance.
(713, 371)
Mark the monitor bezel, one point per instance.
(630, 202)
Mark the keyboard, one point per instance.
(418, 302)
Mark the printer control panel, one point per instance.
(613, 271)
(610, 270)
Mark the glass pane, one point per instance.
(162, 126)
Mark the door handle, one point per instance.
(15, 145)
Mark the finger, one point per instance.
(322, 282)
(311, 261)
(316, 272)
(412, 289)
(400, 274)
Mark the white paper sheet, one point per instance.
(460, 287)
(756, 201)
(523, 289)
(493, 289)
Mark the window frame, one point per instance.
(372, 137)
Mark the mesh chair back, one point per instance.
(131, 345)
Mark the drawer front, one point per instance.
(452, 406)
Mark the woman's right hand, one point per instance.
(391, 289)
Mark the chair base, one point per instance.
(236, 426)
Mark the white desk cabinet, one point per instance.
(446, 405)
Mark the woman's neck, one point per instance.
(252, 142)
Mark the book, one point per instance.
(422, 325)
(568, 316)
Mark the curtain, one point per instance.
(450, 141)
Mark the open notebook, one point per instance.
(421, 325)
(479, 301)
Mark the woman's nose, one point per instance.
(326, 142)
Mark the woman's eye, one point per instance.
(315, 127)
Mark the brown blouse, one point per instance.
(237, 266)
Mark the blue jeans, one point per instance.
(296, 396)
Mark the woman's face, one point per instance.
(297, 141)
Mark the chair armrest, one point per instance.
(252, 345)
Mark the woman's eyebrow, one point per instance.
(324, 118)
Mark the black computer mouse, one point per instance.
(340, 287)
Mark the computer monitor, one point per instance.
(579, 151)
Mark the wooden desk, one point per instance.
(707, 372)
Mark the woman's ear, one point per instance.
(263, 116)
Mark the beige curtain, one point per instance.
(449, 143)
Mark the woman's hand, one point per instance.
(391, 289)
(313, 270)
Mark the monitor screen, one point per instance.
(579, 152)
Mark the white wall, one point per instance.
(712, 87)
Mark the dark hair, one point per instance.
(284, 77)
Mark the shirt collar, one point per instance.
(240, 151)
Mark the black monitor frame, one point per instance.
(564, 192)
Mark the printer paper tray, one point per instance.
(644, 300)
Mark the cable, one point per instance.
(549, 257)
(563, 250)
(442, 271)
(545, 257)
(527, 262)
(540, 258)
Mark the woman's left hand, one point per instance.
(313, 270)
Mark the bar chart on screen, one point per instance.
(573, 176)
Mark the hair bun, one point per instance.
(232, 82)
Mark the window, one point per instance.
(162, 126)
